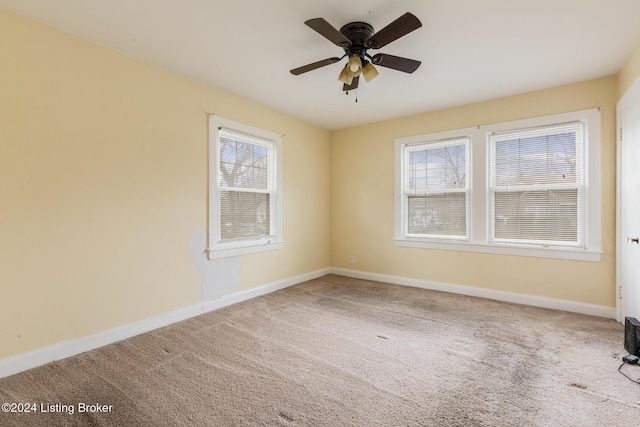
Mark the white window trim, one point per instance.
(479, 226)
(215, 248)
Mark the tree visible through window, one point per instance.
(244, 189)
(436, 189)
(245, 209)
(537, 184)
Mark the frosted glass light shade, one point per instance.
(369, 72)
(346, 76)
(355, 65)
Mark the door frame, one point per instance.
(620, 240)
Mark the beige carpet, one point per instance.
(343, 352)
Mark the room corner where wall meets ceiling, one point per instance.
(629, 73)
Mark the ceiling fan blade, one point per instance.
(353, 85)
(313, 66)
(398, 28)
(395, 62)
(328, 31)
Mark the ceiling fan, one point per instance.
(355, 38)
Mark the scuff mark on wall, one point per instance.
(219, 276)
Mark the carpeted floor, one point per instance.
(344, 352)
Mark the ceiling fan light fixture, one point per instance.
(346, 76)
(369, 72)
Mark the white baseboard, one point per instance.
(22, 362)
(536, 301)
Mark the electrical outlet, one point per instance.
(352, 259)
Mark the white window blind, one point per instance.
(538, 186)
(436, 189)
(246, 184)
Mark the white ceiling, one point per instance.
(471, 50)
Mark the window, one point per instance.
(435, 191)
(245, 202)
(537, 189)
(529, 187)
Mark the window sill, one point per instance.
(246, 249)
(531, 251)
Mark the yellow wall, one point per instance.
(362, 202)
(103, 180)
(630, 72)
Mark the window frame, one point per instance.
(273, 142)
(578, 185)
(406, 193)
(479, 228)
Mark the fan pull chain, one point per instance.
(347, 93)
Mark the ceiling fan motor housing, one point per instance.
(358, 33)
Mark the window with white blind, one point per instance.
(529, 187)
(537, 186)
(435, 190)
(245, 200)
